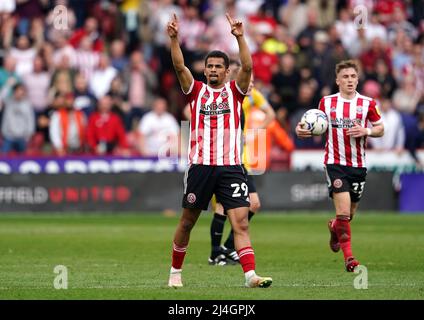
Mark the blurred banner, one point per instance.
(411, 197)
(308, 191)
(90, 164)
(142, 192)
(376, 160)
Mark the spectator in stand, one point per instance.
(86, 59)
(384, 78)
(306, 36)
(264, 63)
(318, 55)
(262, 21)
(118, 58)
(68, 129)
(360, 45)
(7, 71)
(191, 29)
(374, 29)
(102, 77)
(24, 54)
(85, 101)
(119, 95)
(346, 28)
(141, 84)
(399, 22)
(18, 123)
(286, 81)
(294, 16)
(336, 54)
(378, 50)
(407, 96)
(62, 78)
(89, 30)
(37, 85)
(43, 120)
(158, 131)
(306, 100)
(27, 10)
(394, 131)
(105, 130)
(402, 56)
(63, 48)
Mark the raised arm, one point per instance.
(183, 73)
(245, 72)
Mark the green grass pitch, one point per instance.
(128, 257)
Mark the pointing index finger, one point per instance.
(175, 18)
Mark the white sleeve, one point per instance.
(144, 125)
(54, 131)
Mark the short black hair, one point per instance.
(218, 54)
(18, 85)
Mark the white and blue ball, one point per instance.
(315, 120)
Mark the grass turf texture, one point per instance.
(128, 257)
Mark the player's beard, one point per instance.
(213, 80)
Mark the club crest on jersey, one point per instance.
(359, 110)
(191, 198)
(224, 94)
(337, 183)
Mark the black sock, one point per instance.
(217, 228)
(229, 243)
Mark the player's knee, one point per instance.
(241, 226)
(187, 225)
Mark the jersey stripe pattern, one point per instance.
(215, 126)
(342, 114)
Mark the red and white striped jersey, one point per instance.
(215, 126)
(342, 114)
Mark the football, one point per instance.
(315, 120)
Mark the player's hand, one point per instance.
(302, 133)
(236, 26)
(172, 27)
(357, 131)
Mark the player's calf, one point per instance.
(334, 241)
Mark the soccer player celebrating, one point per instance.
(215, 142)
(348, 113)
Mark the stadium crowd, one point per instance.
(96, 76)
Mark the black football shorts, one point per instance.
(228, 183)
(250, 181)
(346, 179)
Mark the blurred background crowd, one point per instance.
(96, 76)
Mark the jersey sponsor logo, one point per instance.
(338, 183)
(215, 109)
(191, 198)
(343, 123)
